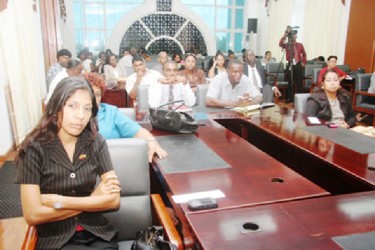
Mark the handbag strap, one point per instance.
(169, 103)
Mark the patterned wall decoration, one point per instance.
(164, 5)
(169, 32)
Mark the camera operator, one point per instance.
(296, 57)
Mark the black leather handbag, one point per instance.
(173, 120)
(152, 238)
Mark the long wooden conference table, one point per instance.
(276, 181)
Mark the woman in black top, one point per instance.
(331, 103)
(58, 164)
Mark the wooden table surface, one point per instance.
(279, 133)
(306, 224)
(249, 179)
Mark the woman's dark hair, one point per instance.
(329, 71)
(218, 53)
(109, 58)
(176, 54)
(190, 54)
(49, 126)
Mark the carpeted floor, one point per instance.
(10, 204)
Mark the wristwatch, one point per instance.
(58, 204)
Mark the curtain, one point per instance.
(280, 13)
(22, 55)
(323, 28)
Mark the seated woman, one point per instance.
(193, 75)
(218, 65)
(58, 165)
(114, 124)
(331, 103)
(177, 58)
(112, 73)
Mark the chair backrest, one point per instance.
(130, 162)
(201, 94)
(129, 112)
(300, 102)
(275, 68)
(344, 67)
(363, 82)
(315, 74)
(309, 69)
(142, 97)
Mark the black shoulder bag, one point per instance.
(172, 120)
(152, 238)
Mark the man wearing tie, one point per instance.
(256, 73)
(172, 87)
(296, 57)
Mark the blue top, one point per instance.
(114, 124)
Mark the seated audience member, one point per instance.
(331, 103)
(253, 69)
(141, 76)
(331, 64)
(218, 65)
(85, 61)
(172, 87)
(162, 59)
(113, 124)
(231, 55)
(112, 73)
(108, 53)
(126, 59)
(242, 57)
(268, 58)
(177, 58)
(99, 64)
(58, 165)
(198, 54)
(193, 75)
(143, 53)
(232, 88)
(63, 56)
(74, 68)
(371, 89)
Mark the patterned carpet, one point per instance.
(10, 204)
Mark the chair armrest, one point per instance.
(31, 237)
(364, 93)
(166, 221)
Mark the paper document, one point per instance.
(183, 198)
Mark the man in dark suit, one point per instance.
(255, 71)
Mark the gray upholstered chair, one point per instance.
(201, 94)
(344, 67)
(130, 112)
(309, 74)
(130, 162)
(300, 102)
(276, 68)
(362, 100)
(142, 97)
(315, 85)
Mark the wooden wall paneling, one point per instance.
(361, 33)
(50, 30)
(373, 57)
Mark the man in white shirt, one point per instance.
(141, 76)
(232, 88)
(253, 69)
(172, 87)
(74, 68)
(125, 61)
